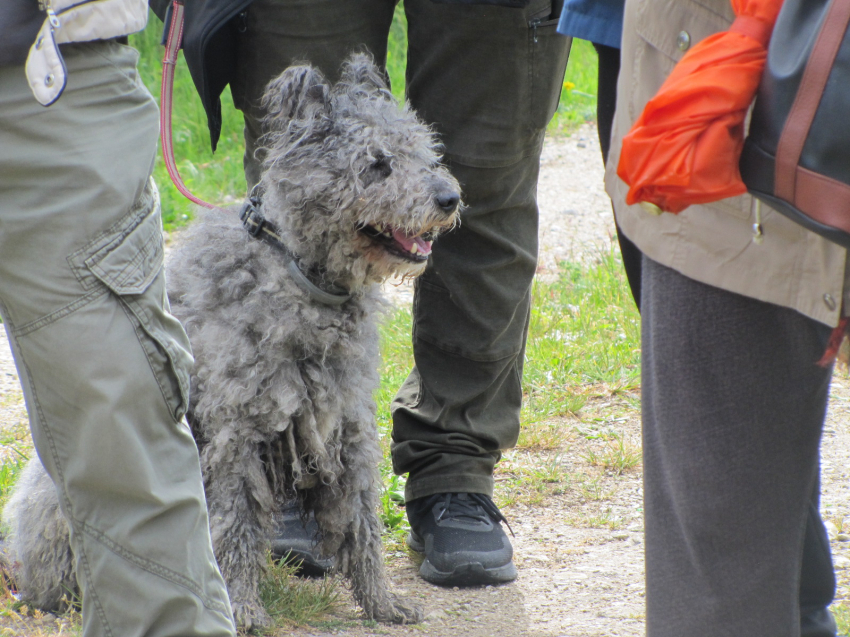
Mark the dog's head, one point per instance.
(353, 179)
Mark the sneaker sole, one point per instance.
(470, 574)
(473, 574)
(308, 564)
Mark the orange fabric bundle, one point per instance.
(685, 147)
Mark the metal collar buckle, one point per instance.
(251, 217)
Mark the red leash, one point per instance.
(169, 63)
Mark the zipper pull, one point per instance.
(51, 15)
(758, 231)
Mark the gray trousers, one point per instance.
(488, 78)
(104, 366)
(733, 409)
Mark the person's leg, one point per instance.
(104, 366)
(488, 78)
(733, 407)
(607, 72)
(606, 103)
(279, 33)
(817, 576)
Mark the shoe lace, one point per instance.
(477, 507)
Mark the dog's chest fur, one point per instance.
(271, 363)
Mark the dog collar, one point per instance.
(261, 228)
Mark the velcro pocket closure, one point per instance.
(129, 265)
(127, 259)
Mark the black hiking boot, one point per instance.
(463, 542)
(295, 542)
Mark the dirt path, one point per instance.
(579, 549)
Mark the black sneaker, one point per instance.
(463, 542)
(296, 542)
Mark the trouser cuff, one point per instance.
(453, 483)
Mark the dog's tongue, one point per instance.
(407, 242)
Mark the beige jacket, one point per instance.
(715, 243)
(76, 21)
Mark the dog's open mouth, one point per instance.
(415, 248)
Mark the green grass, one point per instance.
(617, 455)
(218, 178)
(290, 600)
(841, 612)
(9, 472)
(15, 443)
(584, 331)
(397, 52)
(578, 95)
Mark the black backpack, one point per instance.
(797, 155)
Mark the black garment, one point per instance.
(209, 32)
(606, 103)
(20, 21)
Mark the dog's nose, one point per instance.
(448, 201)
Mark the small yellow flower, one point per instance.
(569, 86)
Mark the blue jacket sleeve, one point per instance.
(599, 21)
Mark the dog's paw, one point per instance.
(398, 610)
(250, 616)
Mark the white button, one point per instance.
(683, 40)
(48, 80)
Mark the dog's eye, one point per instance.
(382, 167)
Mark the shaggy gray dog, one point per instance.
(283, 328)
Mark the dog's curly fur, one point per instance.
(282, 389)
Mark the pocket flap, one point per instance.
(667, 23)
(131, 266)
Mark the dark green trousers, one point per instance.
(488, 78)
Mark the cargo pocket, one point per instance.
(129, 262)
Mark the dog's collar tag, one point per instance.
(261, 228)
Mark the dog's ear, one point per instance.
(299, 93)
(360, 69)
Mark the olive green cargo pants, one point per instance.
(488, 78)
(104, 366)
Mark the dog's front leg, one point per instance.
(240, 506)
(347, 516)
